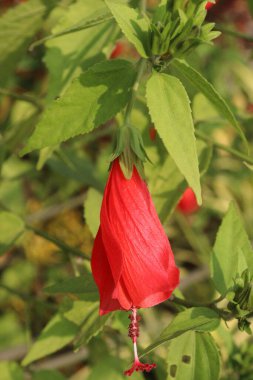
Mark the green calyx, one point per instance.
(130, 149)
(177, 27)
(240, 298)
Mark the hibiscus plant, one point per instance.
(126, 196)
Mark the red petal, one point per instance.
(103, 277)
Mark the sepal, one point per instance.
(130, 149)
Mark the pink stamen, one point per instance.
(133, 333)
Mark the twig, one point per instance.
(26, 98)
(232, 151)
(73, 29)
(143, 6)
(51, 211)
(234, 33)
(194, 277)
(63, 246)
(62, 361)
(140, 71)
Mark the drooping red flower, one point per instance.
(132, 261)
(188, 202)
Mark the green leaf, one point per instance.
(11, 371)
(170, 111)
(92, 205)
(17, 27)
(93, 325)
(63, 328)
(68, 55)
(132, 25)
(57, 334)
(98, 95)
(83, 285)
(46, 374)
(78, 311)
(196, 318)
(11, 228)
(232, 252)
(193, 356)
(207, 89)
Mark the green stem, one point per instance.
(73, 29)
(234, 33)
(143, 6)
(26, 297)
(222, 313)
(23, 97)
(64, 247)
(140, 71)
(232, 151)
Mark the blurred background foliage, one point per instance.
(50, 200)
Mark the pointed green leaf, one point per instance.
(232, 252)
(92, 205)
(132, 25)
(196, 318)
(61, 329)
(207, 89)
(57, 334)
(193, 356)
(83, 285)
(11, 228)
(98, 95)
(94, 324)
(170, 111)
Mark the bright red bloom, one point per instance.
(188, 203)
(117, 51)
(210, 5)
(132, 261)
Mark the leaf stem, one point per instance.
(141, 66)
(234, 33)
(143, 6)
(73, 29)
(63, 246)
(232, 151)
(222, 313)
(23, 97)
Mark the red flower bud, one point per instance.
(117, 51)
(188, 203)
(209, 5)
(132, 261)
(152, 133)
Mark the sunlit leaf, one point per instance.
(98, 95)
(170, 111)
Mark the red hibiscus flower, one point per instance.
(188, 203)
(132, 261)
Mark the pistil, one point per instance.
(133, 333)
